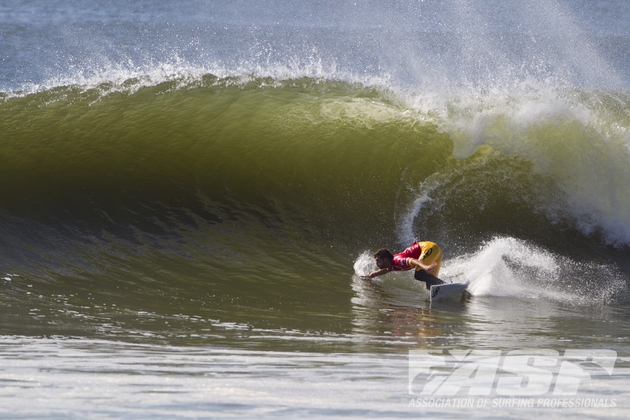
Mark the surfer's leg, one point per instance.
(429, 279)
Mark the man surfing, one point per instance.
(425, 257)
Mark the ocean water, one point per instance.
(191, 191)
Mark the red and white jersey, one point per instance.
(401, 260)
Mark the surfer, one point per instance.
(425, 257)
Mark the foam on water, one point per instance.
(510, 267)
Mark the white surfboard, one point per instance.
(445, 290)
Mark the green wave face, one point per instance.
(324, 155)
(266, 190)
(316, 152)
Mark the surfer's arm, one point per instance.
(377, 273)
(417, 263)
